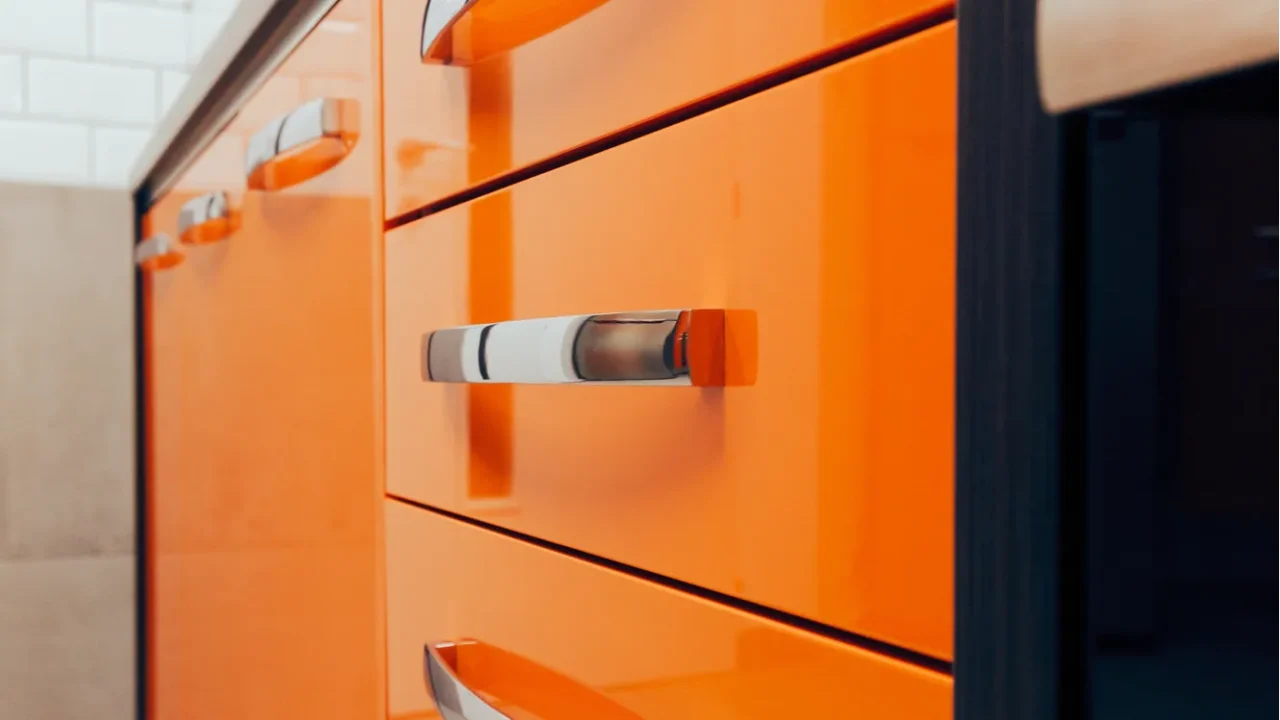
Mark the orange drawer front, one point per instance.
(263, 492)
(820, 215)
(543, 633)
(530, 80)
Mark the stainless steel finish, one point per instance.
(437, 19)
(641, 348)
(452, 697)
(206, 208)
(317, 119)
(156, 246)
(253, 43)
(628, 346)
(441, 356)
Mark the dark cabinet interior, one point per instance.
(1180, 433)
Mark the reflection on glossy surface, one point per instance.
(489, 298)
(826, 207)
(581, 69)
(610, 638)
(263, 495)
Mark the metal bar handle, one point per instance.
(465, 32)
(666, 347)
(509, 679)
(157, 252)
(302, 144)
(205, 219)
(453, 698)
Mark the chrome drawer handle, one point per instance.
(302, 144)
(671, 347)
(205, 219)
(454, 35)
(453, 698)
(437, 22)
(157, 252)
(509, 678)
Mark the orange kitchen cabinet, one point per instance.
(263, 370)
(820, 215)
(541, 634)
(525, 81)
(178, 375)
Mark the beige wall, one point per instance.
(66, 454)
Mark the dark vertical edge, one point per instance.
(1122, 393)
(141, 201)
(1019, 329)
(1073, 557)
(1170, 368)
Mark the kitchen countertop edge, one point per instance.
(255, 39)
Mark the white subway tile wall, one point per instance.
(83, 82)
(81, 90)
(48, 26)
(114, 150)
(202, 28)
(45, 151)
(153, 35)
(171, 83)
(10, 83)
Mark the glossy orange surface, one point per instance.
(821, 214)
(263, 371)
(581, 69)
(610, 645)
(162, 262)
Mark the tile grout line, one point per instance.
(51, 119)
(91, 163)
(24, 92)
(159, 87)
(92, 53)
(106, 60)
(90, 50)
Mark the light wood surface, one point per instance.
(1089, 51)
